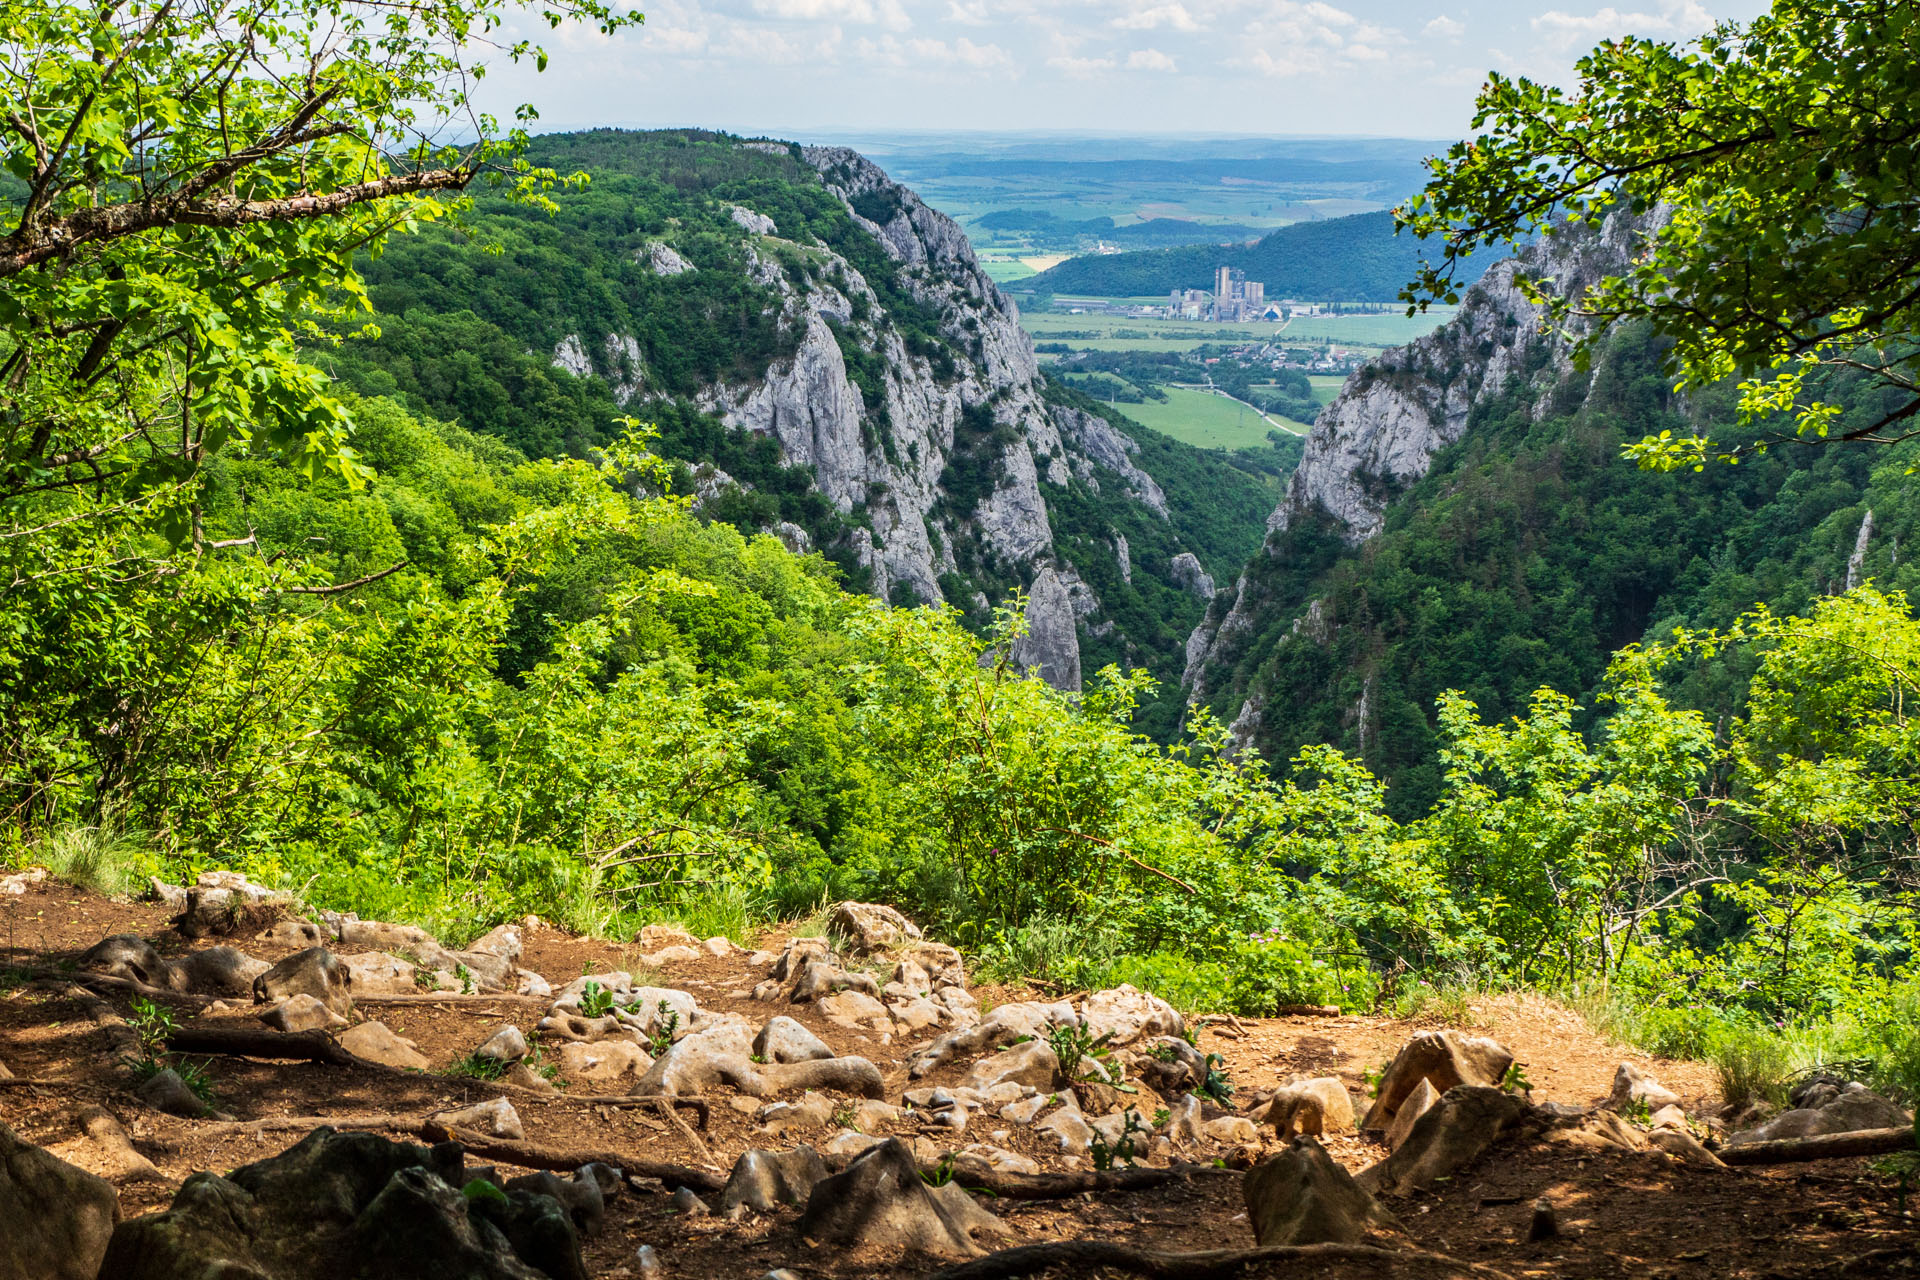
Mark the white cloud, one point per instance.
(1150, 60)
(884, 13)
(1562, 31)
(1173, 16)
(1080, 68)
(1444, 28)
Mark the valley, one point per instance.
(654, 700)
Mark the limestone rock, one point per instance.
(55, 1219)
(315, 972)
(295, 933)
(166, 1092)
(1462, 1126)
(1033, 1063)
(1415, 1105)
(856, 1010)
(1683, 1146)
(495, 1117)
(302, 1013)
(1230, 1130)
(719, 1054)
(17, 884)
(757, 223)
(1007, 1023)
(582, 1196)
(1068, 1129)
(880, 1199)
(1302, 1197)
(1128, 1015)
(979, 1157)
(1842, 1109)
(128, 956)
(376, 1042)
(505, 1045)
(339, 1204)
(1312, 1107)
(601, 1059)
(849, 1142)
(784, 1040)
(762, 1180)
(663, 261)
(1190, 576)
(112, 1150)
(866, 927)
(1633, 1088)
(1447, 1059)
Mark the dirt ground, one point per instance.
(1623, 1214)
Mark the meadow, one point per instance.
(1207, 420)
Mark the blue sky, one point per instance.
(791, 67)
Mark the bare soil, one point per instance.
(1623, 1214)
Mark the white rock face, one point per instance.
(1388, 421)
(1382, 431)
(570, 353)
(757, 223)
(1051, 643)
(665, 261)
(1190, 574)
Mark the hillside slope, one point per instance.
(1351, 259)
(823, 354)
(1462, 519)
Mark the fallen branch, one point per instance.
(377, 1122)
(245, 1042)
(534, 1155)
(1307, 1011)
(1058, 1186)
(664, 1107)
(1826, 1146)
(1081, 1257)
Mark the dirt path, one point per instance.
(1626, 1214)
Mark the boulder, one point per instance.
(348, 1204)
(1683, 1146)
(216, 971)
(1836, 1109)
(166, 1092)
(1033, 1063)
(55, 1219)
(672, 955)
(495, 1118)
(784, 1040)
(1634, 1090)
(763, 1180)
(816, 978)
(1312, 1107)
(1128, 1015)
(375, 973)
(1461, 1127)
(1006, 1024)
(1069, 1130)
(1302, 1197)
(655, 936)
(505, 1045)
(302, 1013)
(866, 927)
(880, 1199)
(916, 1013)
(1184, 1118)
(315, 972)
(582, 1196)
(602, 1059)
(850, 1142)
(719, 1054)
(1446, 1058)
(128, 956)
(1230, 1130)
(376, 1042)
(573, 1026)
(17, 884)
(294, 932)
(1416, 1104)
(813, 1111)
(523, 1076)
(979, 1159)
(856, 1011)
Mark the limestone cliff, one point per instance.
(1382, 432)
(943, 451)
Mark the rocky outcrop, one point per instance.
(1051, 645)
(1382, 430)
(55, 1219)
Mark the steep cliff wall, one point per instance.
(1381, 434)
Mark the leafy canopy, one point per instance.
(1777, 162)
(185, 187)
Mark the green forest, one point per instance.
(420, 626)
(1358, 258)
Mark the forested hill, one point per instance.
(1352, 259)
(1463, 520)
(823, 358)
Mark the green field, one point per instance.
(1209, 421)
(1390, 330)
(1002, 272)
(1326, 386)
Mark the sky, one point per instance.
(789, 68)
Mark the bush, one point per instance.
(1751, 1065)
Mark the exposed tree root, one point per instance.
(246, 1042)
(533, 1155)
(1078, 1257)
(700, 1105)
(108, 982)
(1826, 1146)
